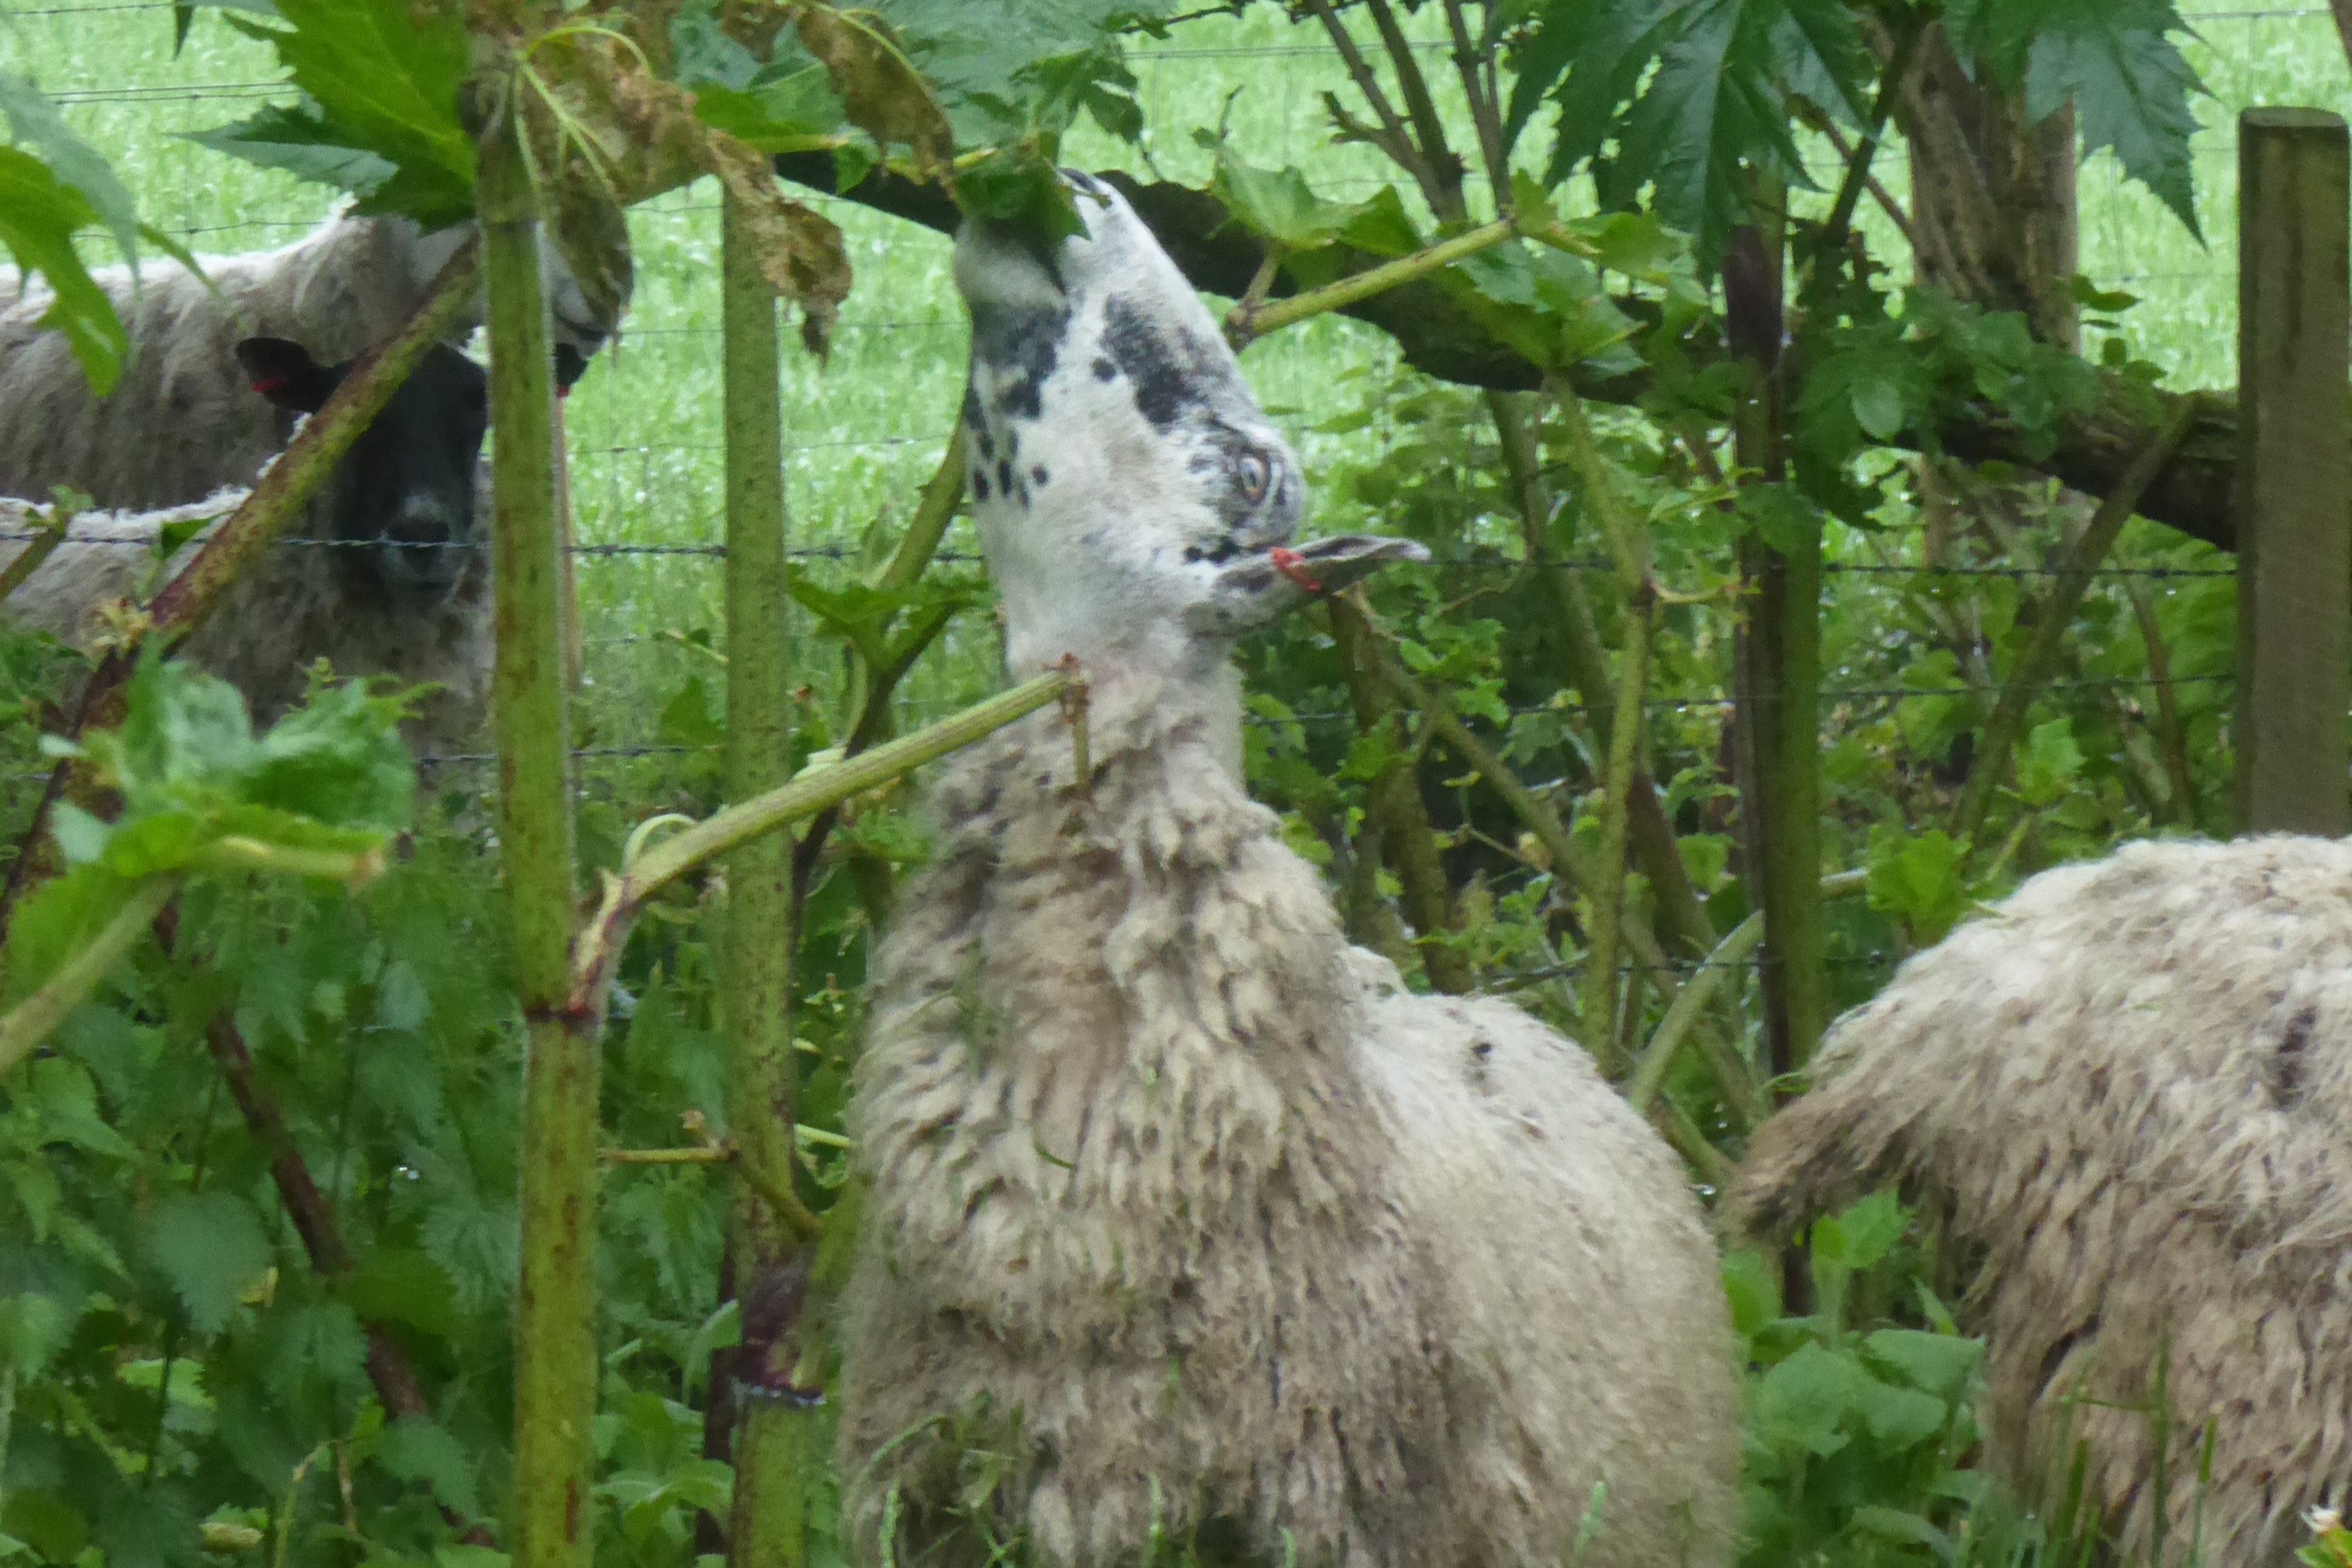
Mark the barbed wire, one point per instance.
(715, 551)
(1827, 698)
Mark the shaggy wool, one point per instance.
(2128, 1088)
(1243, 1231)
(295, 606)
(182, 423)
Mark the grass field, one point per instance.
(865, 430)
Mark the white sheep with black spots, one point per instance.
(1177, 1203)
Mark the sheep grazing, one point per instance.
(2126, 1091)
(181, 424)
(1183, 1221)
(403, 592)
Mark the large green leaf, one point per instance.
(381, 78)
(39, 215)
(1675, 97)
(2114, 59)
(210, 1246)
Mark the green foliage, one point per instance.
(53, 185)
(379, 80)
(1855, 1438)
(2115, 60)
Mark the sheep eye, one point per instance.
(1254, 473)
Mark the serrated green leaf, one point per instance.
(417, 1450)
(209, 1246)
(299, 141)
(1862, 1234)
(384, 75)
(33, 1328)
(1900, 1418)
(39, 215)
(1917, 875)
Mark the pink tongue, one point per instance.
(1293, 565)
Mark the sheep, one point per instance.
(1176, 1204)
(403, 593)
(182, 425)
(2124, 1094)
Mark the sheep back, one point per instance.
(1213, 1227)
(2127, 1090)
(182, 423)
(295, 606)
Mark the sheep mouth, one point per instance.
(1323, 567)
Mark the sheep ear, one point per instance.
(1260, 588)
(284, 372)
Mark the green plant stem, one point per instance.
(1569, 860)
(1682, 919)
(28, 1023)
(2054, 617)
(552, 1523)
(1393, 807)
(1708, 982)
(757, 939)
(1428, 124)
(936, 509)
(1608, 896)
(1699, 992)
(1244, 327)
(813, 791)
(2172, 733)
(51, 533)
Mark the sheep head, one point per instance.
(1134, 501)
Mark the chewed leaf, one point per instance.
(881, 92)
(800, 251)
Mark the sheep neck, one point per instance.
(1115, 1014)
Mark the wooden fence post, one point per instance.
(2294, 473)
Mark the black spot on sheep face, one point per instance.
(1130, 492)
(407, 485)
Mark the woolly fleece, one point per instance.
(2128, 1088)
(296, 606)
(1173, 1197)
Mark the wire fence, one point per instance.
(641, 502)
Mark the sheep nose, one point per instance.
(423, 520)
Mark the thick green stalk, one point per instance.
(771, 1482)
(552, 1525)
(28, 1023)
(1777, 660)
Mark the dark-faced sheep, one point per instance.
(2127, 1090)
(1178, 1204)
(385, 575)
(182, 423)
